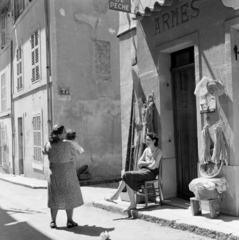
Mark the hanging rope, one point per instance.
(215, 88)
(206, 156)
(219, 150)
(209, 86)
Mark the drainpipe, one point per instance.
(12, 108)
(48, 68)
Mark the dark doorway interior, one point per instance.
(185, 121)
(20, 146)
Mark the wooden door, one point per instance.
(185, 122)
(20, 147)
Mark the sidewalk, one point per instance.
(23, 181)
(173, 213)
(42, 184)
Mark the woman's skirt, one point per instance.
(63, 187)
(134, 179)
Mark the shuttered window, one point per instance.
(3, 93)
(19, 6)
(19, 69)
(35, 56)
(37, 137)
(3, 29)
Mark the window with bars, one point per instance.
(37, 137)
(19, 69)
(35, 56)
(3, 28)
(3, 93)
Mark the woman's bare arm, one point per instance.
(155, 160)
(46, 148)
(142, 162)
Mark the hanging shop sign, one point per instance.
(177, 16)
(120, 5)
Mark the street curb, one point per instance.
(23, 184)
(98, 181)
(82, 183)
(136, 214)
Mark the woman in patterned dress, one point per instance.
(148, 170)
(63, 186)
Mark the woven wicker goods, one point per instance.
(204, 194)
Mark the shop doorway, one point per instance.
(185, 120)
(20, 146)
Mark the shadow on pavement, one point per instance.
(11, 229)
(27, 211)
(123, 218)
(87, 230)
(113, 185)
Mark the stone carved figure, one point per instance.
(150, 108)
(147, 116)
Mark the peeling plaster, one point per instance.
(86, 19)
(111, 30)
(62, 12)
(231, 3)
(100, 6)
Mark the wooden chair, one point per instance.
(148, 189)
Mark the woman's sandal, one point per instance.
(128, 209)
(108, 199)
(53, 224)
(71, 224)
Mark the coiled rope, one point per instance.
(219, 150)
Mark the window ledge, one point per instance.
(33, 87)
(6, 113)
(6, 46)
(37, 165)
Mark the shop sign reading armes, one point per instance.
(177, 16)
(120, 5)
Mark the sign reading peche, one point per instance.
(120, 5)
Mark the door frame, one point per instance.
(167, 125)
(180, 146)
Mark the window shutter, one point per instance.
(3, 92)
(35, 56)
(19, 68)
(32, 41)
(3, 29)
(37, 137)
(36, 38)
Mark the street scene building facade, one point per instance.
(59, 65)
(166, 48)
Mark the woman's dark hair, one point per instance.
(155, 137)
(57, 129)
(70, 134)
